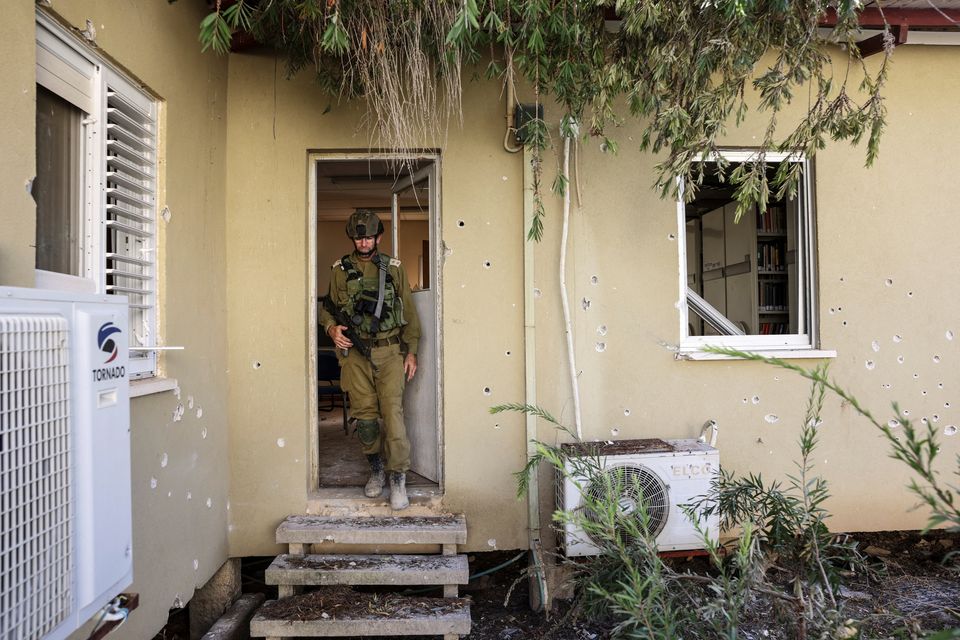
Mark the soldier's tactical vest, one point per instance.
(362, 294)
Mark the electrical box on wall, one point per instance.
(523, 115)
(65, 488)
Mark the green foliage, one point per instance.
(647, 598)
(686, 69)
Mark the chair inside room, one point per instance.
(329, 392)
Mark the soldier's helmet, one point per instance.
(364, 222)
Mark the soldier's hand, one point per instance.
(410, 366)
(336, 334)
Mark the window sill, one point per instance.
(148, 386)
(783, 354)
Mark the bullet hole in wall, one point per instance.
(772, 418)
(487, 391)
(893, 424)
(461, 223)
(950, 430)
(949, 335)
(507, 353)
(601, 347)
(626, 412)
(585, 303)
(755, 399)
(936, 359)
(602, 330)
(870, 364)
(888, 282)
(594, 280)
(256, 364)
(900, 359)
(487, 264)
(897, 337)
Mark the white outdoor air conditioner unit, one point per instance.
(65, 521)
(662, 475)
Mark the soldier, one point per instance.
(371, 292)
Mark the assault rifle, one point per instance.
(350, 333)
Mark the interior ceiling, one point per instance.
(345, 185)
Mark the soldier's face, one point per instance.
(366, 246)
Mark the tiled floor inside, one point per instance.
(342, 464)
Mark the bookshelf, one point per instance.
(773, 304)
(746, 269)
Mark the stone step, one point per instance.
(368, 569)
(309, 529)
(339, 611)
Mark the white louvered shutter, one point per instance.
(130, 239)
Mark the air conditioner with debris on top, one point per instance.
(64, 459)
(660, 475)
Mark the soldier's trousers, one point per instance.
(376, 391)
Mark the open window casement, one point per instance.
(96, 183)
(747, 284)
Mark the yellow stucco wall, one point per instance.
(888, 222)
(895, 220)
(180, 481)
(235, 294)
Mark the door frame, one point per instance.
(314, 157)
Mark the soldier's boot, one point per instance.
(398, 491)
(374, 486)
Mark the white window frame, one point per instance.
(72, 70)
(805, 342)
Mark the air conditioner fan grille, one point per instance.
(632, 487)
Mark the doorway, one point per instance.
(403, 191)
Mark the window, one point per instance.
(750, 283)
(96, 183)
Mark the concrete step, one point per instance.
(338, 611)
(368, 569)
(309, 529)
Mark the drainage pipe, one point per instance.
(539, 598)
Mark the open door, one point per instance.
(403, 191)
(421, 396)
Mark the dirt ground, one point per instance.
(908, 590)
